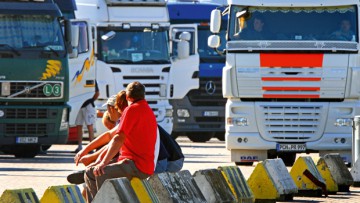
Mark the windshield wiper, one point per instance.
(48, 48)
(123, 61)
(150, 61)
(11, 48)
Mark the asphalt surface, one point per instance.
(53, 167)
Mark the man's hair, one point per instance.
(121, 102)
(135, 90)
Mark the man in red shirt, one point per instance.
(135, 139)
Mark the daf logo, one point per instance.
(210, 87)
(27, 90)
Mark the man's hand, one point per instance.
(78, 156)
(99, 169)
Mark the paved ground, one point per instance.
(53, 167)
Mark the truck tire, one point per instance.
(45, 147)
(288, 158)
(220, 136)
(244, 163)
(199, 137)
(26, 151)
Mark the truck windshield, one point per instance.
(140, 46)
(293, 23)
(206, 53)
(24, 32)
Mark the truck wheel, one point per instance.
(220, 136)
(26, 151)
(244, 163)
(45, 147)
(288, 158)
(199, 137)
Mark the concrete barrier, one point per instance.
(339, 171)
(307, 178)
(213, 186)
(190, 183)
(355, 173)
(325, 173)
(116, 190)
(171, 187)
(270, 181)
(143, 190)
(237, 184)
(19, 196)
(61, 194)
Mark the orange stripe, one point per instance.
(292, 96)
(289, 79)
(291, 88)
(291, 60)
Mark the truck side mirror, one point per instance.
(214, 41)
(215, 21)
(183, 48)
(75, 31)
(68, 36)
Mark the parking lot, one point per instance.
(52, 168)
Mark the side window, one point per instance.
(83, 37)
(176, 32)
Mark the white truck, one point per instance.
(81, 63)
(135, 42)
(292, 77)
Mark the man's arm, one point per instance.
(114, 146)
(101, 140)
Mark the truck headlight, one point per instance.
(162, 90)
(241, 121)
(168, 113)
(64, 120)
(340, 122)
(184, 113)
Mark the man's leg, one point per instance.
(91, 132)
(80, 137)
(125, 168)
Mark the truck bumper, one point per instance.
(202, 118)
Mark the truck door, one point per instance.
(81, 66)
(183, 72)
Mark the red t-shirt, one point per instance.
(138, 122)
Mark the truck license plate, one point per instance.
(291, 147)
(211, 113)
(26, 140)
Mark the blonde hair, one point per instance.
(121, 102)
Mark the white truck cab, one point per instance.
(291, 77)
(134, 39)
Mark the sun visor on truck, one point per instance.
(29, 8)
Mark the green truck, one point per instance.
(34, 76)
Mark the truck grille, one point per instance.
(31, 90)
(21, 129)
(291, 123)
(151, 88)
(205, 96)
(26, 113)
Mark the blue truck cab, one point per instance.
(200, 115)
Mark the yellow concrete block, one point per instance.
(143, 191)
(237, 184)
(323, 168)
(19, 196)
(63, 193)
(261, 184)
(297, 174)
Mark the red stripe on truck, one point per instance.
(291, 96)
(291, 60)
(289, 79)
(291, 88)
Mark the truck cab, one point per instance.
(200, 115)
(291, 77)
(34, 77)
(134, 39)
